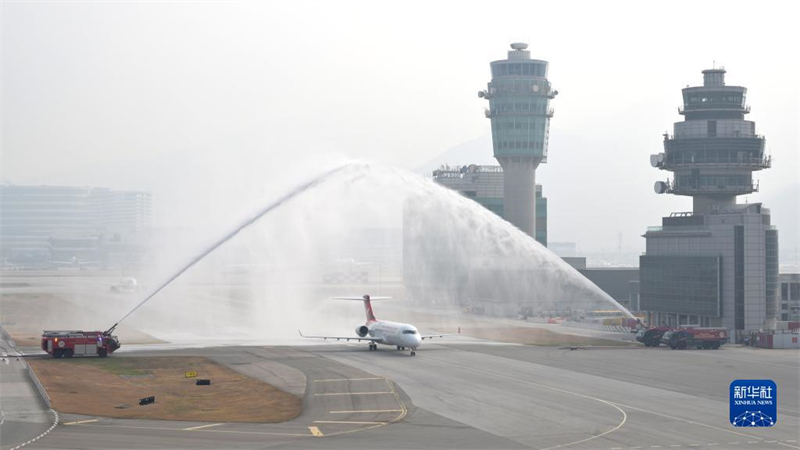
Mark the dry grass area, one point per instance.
(25, 315)
(99, 386)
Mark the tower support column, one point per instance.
(519, 192)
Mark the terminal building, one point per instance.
(716, 265)
(40, 224)
(519, 97)
(790, 297)
(484, 184)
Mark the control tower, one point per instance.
(714, 151)
(519, 108)
(716, 265)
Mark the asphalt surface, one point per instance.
(461, 394)
(478, 395)
(23, 415)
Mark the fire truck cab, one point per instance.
(83, 343)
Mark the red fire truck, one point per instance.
(702, 338)
(84, 343)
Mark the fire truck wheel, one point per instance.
(102, 353)
(682, 345)
(68, 353)
(715, 346)
(57, 354)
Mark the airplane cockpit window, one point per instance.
(409, 331)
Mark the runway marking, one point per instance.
(396, 419)
(354, 393)
(698, 423)
(624, 414)
(55, 422)
(315, 432)
(366, 411)
(80, 422)
(348, 422)
(204, 430)
(203, 426)
(347, 379)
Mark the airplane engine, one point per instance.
(362, 330)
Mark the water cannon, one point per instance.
(110, 330)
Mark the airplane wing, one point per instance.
(431, 336)
(342, 338)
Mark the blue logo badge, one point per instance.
(754, 403)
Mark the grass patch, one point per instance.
(96, 386)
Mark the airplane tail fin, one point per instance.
(367, 304)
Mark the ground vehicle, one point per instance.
(651, 337)
(695, 337)
(87, 343)
(125, 285)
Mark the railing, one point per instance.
(489, 113)
(670, 137)
(715, 107)
(37, 383)
(731, 189)
(761, 163)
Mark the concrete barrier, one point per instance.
(39, 387)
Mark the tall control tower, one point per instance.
(519, 108)
(716, 265)
(714, 151)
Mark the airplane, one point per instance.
(374, 331)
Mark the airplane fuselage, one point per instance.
(394, 333)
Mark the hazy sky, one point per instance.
(87, 86)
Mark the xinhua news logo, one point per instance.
(754, 403)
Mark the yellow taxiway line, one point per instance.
(80, 422)
(366, 411)
(315, 431)
(349, 423)
(355, 393)
(347, 379)
(203, 426)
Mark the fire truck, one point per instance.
(83, 343)
(701, 338)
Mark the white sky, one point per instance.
(88, 85)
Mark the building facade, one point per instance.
(65, 223)
(484, 184)
(519, 97)
(716, 265)
(790, 297)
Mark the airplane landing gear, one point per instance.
(373, 346)
(413, 352)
